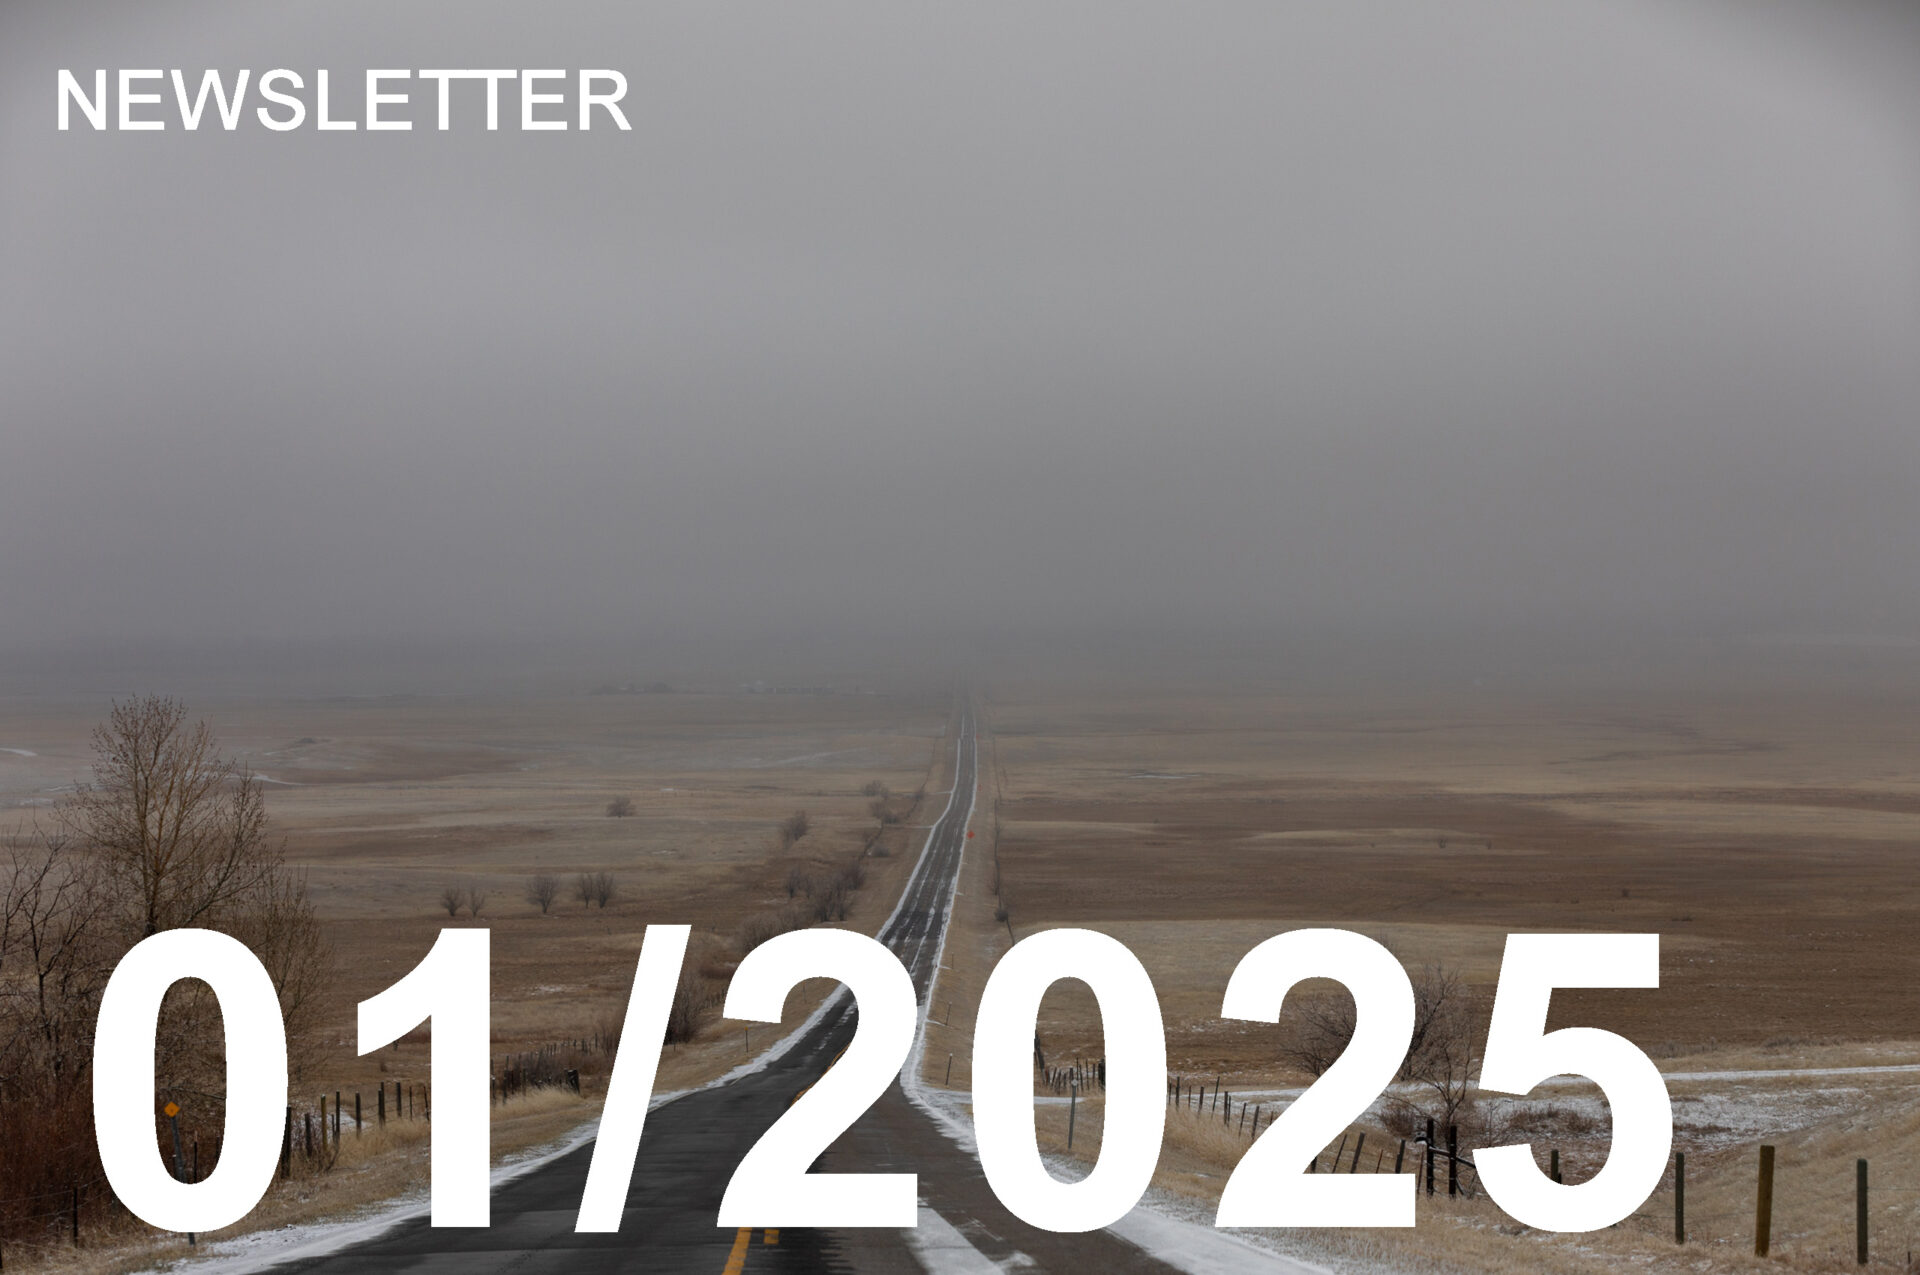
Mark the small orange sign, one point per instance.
(172, 1109)
(969, 834)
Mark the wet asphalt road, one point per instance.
(691, 1146)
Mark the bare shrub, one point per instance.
(453, 898)
(620, 808)
(830, 904)
(885, 813)
(607, 1027)
(604, 888)
(799, 881)
(1323, 1025)
(874, 788)
(476, 899)
(693, 996)
(583, 889)
(542, 889)
(794, 827)
(758, 927)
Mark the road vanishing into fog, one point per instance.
(692, 1144)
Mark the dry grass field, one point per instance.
(1769, 839)
(387, 802)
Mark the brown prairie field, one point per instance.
(1768, 838)
(386, 802)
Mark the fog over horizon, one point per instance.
(1351, 322)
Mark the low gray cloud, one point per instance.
(1020, 316)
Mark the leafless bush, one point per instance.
(1000, 914)
(793, 827)
(874, 788)
(476, 899)
(853, 876)
(620, 808)
(542, 889)
(885, 813)
(830, 904)
(693, 996)
(453, 898)
(1322, 1027)
(603, 887)
(758, 927)
(799, 881)
(607, 1027)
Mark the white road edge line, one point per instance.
(1183, 1245)
(260, 1250)
(941, 1249)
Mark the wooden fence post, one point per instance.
(1355, 1166)
(1429, 1156)
(1400, 1156)
(1763, 1205)
(1860, 1212)
(76, 1215)
(1553, 1165)
(286, 1146)
(1679, 1197)
(381, 1114)
(359, 1126)
(1453, 1159)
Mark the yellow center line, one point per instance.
(772, 1235)
(737, 1260)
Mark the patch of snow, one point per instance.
(941, 1249)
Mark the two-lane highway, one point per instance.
(692, 1144)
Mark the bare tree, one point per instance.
(583, 889)
(799, 881)
(177, 835)
(620, 808)
(180, 831)
(793, 827)
(453, 898)
(1442, 1060)
(57, 953)
(603, 888)
(1323, 1025)
(542, 889)
(476, 899)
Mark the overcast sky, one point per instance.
(1357, 316)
